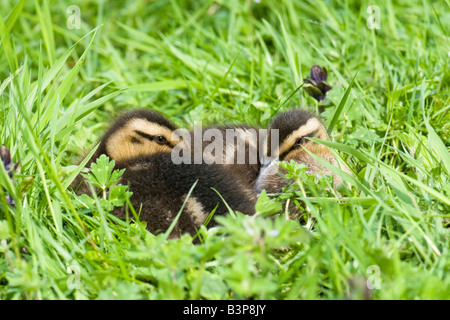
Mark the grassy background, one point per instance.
(229, 61)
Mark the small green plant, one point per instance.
(295, 198)
(304, 183)
(103, 178)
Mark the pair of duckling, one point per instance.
(143, 141)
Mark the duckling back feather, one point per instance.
(161, 187)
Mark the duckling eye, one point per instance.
(303, 139)
(160, 139)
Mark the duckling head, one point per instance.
(138, 133)
(294, 128)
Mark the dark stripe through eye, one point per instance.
(298, 143)
(158, 139)
(303, 139)
(135, 140)
(310, 135)
(144, 135)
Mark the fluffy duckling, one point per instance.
(134, 133)
(294, 127)
(142, 141)
(144, 132)
(161, 187)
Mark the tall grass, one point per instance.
(387, 237)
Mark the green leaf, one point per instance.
(213, 287)
(118, 195)
(266, 205)
(102, 174)
(4, 230)
(438, 146)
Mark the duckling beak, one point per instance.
(269, 166)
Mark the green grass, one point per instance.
(229, 61)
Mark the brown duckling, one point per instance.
(161, 187)
(134, 133)
(142, 142)
(145, 132)
(294, 127)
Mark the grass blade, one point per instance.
(174, 222)
(341, 105)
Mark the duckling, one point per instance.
(294, 127)
(160, 188)
(142, 142)
(137, 132)
(134, 133)
(145, 132)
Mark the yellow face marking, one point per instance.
(127, 143)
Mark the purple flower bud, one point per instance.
(5, 155)
(318, 74)
(317, 86)
(10, 168)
